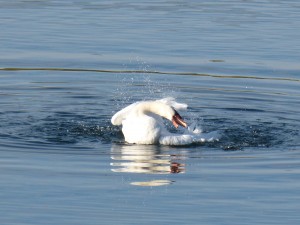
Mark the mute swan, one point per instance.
(142, 123)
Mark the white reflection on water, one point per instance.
(147, 159)
(152, 183)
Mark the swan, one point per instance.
(142, 123)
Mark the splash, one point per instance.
(134, 87)
(191, 136)
(140, 87)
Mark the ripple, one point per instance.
(78, 112)
(150, 72)
(236, 135)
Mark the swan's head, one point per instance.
(177, 120)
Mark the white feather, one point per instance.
(171, 102)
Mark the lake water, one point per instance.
(67, 66)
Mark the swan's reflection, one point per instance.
(148, 159)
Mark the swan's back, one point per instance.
(171, 102)
(124, 113)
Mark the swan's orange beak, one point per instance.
(177, 120)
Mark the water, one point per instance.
(68, 66)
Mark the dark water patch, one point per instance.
(243, 135)
(72, 116)
(248, 132)
(244, 110)
(71, 128)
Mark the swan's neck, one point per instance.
(156, 108)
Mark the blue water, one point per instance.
(67, 66)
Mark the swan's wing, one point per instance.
(171, 102)
(122, 114)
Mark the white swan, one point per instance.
(142, 123)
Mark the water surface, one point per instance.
(68, 66)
